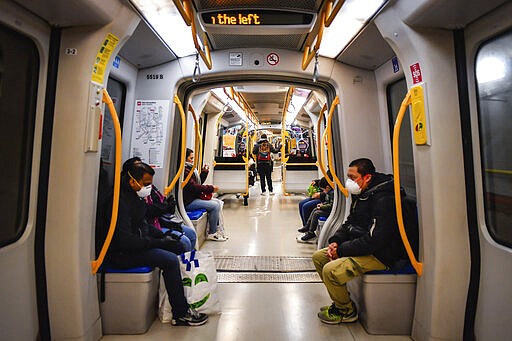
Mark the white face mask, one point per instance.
(144, 191)
(352, 187)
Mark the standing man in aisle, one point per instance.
(263, 151)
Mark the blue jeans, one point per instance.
(188, 238)
(168, 262)
(307, 206)
(212, 207)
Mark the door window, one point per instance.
(19, 69)
(494, 82)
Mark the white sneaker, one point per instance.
(271, 193)
(217, 237)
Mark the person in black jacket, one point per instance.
(262, 151)
(368, 240)
(136, 243)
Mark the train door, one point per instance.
(489, 68)
(23, 183)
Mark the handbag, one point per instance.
(199, 276)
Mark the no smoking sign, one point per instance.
(272, 59)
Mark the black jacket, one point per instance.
(132, 232)
(371, 227)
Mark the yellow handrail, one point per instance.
(329, 150)
(396, 174)
(330, 12)
(169, 188)
(321, 146)
(310, 53)
(95, 264)
(184, 11)
(205, 55)
(197, 147)
(284, 159)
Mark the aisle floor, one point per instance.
(263, 311)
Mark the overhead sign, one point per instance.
(256, 17)
(272, 59)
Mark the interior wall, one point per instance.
(72, 291)
(444, 250)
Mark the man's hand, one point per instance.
(316, 195)
(332, 251)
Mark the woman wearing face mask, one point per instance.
(136, 243)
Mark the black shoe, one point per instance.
(303, 230)
(309, 238)
(191, 319)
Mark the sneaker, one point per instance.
(271, 193)
(325, 307)
(217, 237)
(264, 193)
(191, 319)
(333, 315)
(303, 229)
(309, 237)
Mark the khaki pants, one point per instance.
(336, 273)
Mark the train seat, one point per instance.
(385, 300)
(298, 180)
(199, 220)
(130, 299)
(321, 222)
(230, 181)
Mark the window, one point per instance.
(494, 82)
(19, 68)
(395, 95)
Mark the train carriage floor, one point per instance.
(263, 309)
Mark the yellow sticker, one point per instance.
(102, 58)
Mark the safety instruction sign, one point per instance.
(102, 58)
(149, 131)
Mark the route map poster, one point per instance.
(149, 131)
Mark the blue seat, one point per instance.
(407, 269)
(137, 270)
(196, 214)
(322, 218)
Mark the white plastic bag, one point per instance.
(199, 277)
(164, 307)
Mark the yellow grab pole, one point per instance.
(95, 264)
(329, 150)
(169, 188)
(321, 146)
(197, 148)
(396, 174)
(284, 159)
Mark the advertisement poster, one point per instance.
(149, 131)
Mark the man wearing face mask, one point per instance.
(368, 240)
(136, 243)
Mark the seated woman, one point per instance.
(160, 213)
(197, 196)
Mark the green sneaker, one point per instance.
(335, 316)
(325, 307)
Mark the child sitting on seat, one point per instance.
(322, 210)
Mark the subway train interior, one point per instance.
(422, 88)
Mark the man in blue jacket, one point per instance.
(367, 240)
(136, 243)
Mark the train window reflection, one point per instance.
(19, 68)
(494, 80)
(395, 94)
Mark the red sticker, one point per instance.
(416, 73)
